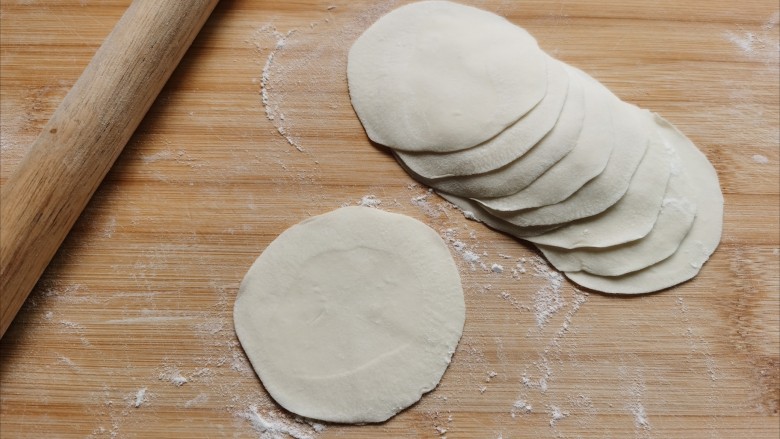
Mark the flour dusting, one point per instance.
(272, 111)
(201, 399)
(520, 406)
(173, 376)
(140, 397)
(369, 201)
(634, 393)
(556, 415)
(640, 416)
(548, 299)
(272, 427)
(760, 43)
(760, 159)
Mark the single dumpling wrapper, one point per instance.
(351, 316)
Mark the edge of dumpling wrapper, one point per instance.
(698, 245)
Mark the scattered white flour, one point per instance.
(77, 329)
(746, 42)
(465, 251)
(165, 154)
(423, 203)
(521, 407)
(640, 417)
(773, 21)
(140, 397)
(496, 268)
(110, 228)
(271, 427)
(548, 300)
(369, 201)
(68, 362)
(519, 305)
(553, 350)
(71, 325)
(468, 255)
(519, 268)
(202, 398)
(172, 375)
(634, 392)
(556, 414)
(272, 112)
(210, 327)
(761, 43)
(760, 159)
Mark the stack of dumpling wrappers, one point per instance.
(613, 195)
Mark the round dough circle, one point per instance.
(520, 173)
(352, 315)
(674, 222)
(587, 160)
(697, 246)
(607, 188)
(439, 76)
(505, 147)
(630, 218)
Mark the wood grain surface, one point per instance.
(129, 333)
(51, 186)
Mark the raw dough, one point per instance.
(587, 160)
(439, 76)
(507, 146)
(673, 224)
(474, 208)
(590, 179)
(699, 243)
(631, 218)
(603, 191)
(352, 315)
(520, 173)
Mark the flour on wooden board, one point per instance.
(760, 159)
(269, 426)
(272, 111)
(275, 74)
(173, 376)
(140, 397)
(556, 414)
(520, 406)
(634, 393)
(760, 43)
(369, 201)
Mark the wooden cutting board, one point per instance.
(130, 334)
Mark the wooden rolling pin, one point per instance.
(49, 189)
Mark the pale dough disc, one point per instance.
(440, 76)
(505, 147)
(473, 208)
(352, 315)
(631, 218)
(520, 173)
(698, 244)
(607, 188)
(587, 160)
(674, 222)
